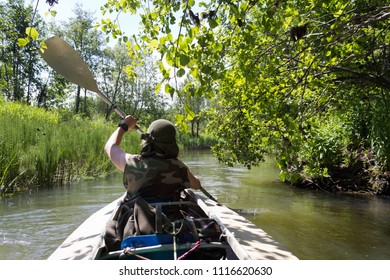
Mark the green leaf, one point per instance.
(190, 114)
(153, 44)
(287, 21)
(43, 47)
(213, 23)
(169, 59)
(169, 89)
(283, 176)
(218, 46)
(179, 118)
(180, 122)
(32, 32)
(195, 72)
(181, 73)
(338, 13)
(157, 89)
(184, 60)
(136, 47)
(23, 42)
(295, 177)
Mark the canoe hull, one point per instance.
(244, 240)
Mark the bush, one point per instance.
(325, 147)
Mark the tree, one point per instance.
(52, 92)
(134, 92)
(112, 64)
(194, 107)
(19, 69)
(283, 72)
(79, 31)
(141, 92)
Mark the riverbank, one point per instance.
(44, 148)
(363, 176)
(48, 148)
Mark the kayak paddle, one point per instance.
(60, 56)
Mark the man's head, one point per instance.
(160, 138)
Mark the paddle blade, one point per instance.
(60, 56)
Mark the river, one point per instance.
(313, 225)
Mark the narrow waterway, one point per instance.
(311, 224)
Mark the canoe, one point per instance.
(240, 238)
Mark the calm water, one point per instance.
(312, 225)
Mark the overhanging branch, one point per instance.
(379, 81)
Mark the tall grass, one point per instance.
(42, 148)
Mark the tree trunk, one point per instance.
(77, 105)
(85, 102)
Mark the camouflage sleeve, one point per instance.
(185, 169)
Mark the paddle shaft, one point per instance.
(208, 195)
(116, 109)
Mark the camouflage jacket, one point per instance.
(155, 178)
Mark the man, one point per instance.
(156, 174)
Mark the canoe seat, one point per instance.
(140, 241)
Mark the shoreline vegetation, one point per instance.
(44, 148)
(40, 148)
(362, 177)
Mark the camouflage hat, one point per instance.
(160, 138)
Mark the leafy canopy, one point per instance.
(277, 70)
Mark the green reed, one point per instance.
(43, 148)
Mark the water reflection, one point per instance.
(312, 224)
(34, 224)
